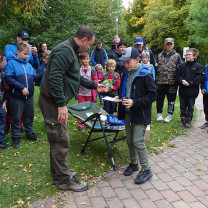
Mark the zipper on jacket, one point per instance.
(25, 77)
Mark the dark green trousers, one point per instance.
(135, 139)
(58, 139)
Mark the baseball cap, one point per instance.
(169, 40)
(23, 35)
(129, 53)
(145, 53)
(138, 40)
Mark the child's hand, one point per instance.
(185, 83)
(111, 87)
(4, 106)
(127, 102)
(203, 91)
(25, 92)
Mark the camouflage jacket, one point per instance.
(167, 64)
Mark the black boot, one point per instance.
(183, 121)
(188, 123)
(16, 142)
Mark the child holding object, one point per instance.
(138, 91)
(111, 80)
(189, 76)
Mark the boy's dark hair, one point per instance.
(42, 44)
(83, 55)
(194, 51)
(23, 47)
(121, 43)
(85, 31)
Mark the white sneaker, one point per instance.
(159, 117)
(168, 118)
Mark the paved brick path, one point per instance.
(180, 179)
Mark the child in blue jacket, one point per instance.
(20, 76)
(204, 91)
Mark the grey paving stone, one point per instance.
(130, 203)
(123, 193)
(115, 202)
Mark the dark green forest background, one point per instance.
(53, 21)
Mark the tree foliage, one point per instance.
(53, 21)
(184, 20)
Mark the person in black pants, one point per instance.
(168, 60)
(189, 76)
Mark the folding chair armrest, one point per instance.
(95, 115)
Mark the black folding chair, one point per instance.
(92, 116)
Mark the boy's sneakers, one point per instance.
(131, 169)
(168, 118)
(204, 126)
(159, 117)
(16, 142)
(143, 176)
(3, 145)
(74, 185)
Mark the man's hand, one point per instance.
(25, 92)
(4, 106)
(34, 51)
(100, 88)
(63, 114)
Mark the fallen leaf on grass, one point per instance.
(102, 164)
(20, 201)
(16, 154)
(30, 165)
(164, 144)
(29, 183)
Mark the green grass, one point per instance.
(25, 172)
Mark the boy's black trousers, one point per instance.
(187, 107)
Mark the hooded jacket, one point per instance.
(143, 93)
(19, 74)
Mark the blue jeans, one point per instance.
(109, 107)
(2, 123)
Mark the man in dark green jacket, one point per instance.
(59, 84)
